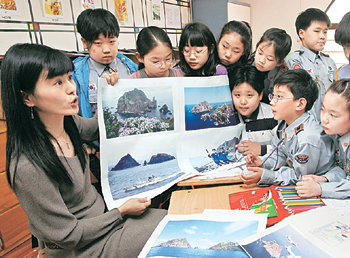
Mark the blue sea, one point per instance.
(194, 121)
(121, 179)
(193, 253)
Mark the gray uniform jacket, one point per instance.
(320, 66)
(72, 218)
(340, 189)
(343, 72)
(302, 150)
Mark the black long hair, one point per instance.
(198, 35)
(26, 135)
(242, 29)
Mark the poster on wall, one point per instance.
(122, 10)
(9, 7)
(172, 18)
(53, 8)
(156, 12)
(157, 132)
(88, 4)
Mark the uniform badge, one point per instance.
(346, 144)
(92, 86)
(297, 66)
(302, 159)
(299, 129)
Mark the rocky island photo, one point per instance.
(135, 113)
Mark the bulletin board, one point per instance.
(53, 22)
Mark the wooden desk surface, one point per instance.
(196, 200)
(194, 181)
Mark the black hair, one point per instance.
(198, 35)
(342, 32)
(92, 22)
(281, 41)
(21, 68)
(342, 87)
(243, 29)
(149, 38)
(308, 16)
(301, 84)
(247, 74)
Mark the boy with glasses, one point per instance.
(298, 148)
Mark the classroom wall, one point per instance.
(30, 23)
(279, 14)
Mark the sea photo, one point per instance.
(208, 107)
(144, 167)
(137, 110)
(200, 235)
(285, 242)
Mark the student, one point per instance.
(312, 27)
(272, 48)
(234, 44)
(198, 52)
(247, 88)
(47, 166)
(99, 30)
(155, 55)
(342, 37)
(298, 147)
(335, 118)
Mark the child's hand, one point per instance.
(134, 206)
(111, 78)
(246, 147)
(252, 178)
(252, 160)
(308, 188)
(317, 179)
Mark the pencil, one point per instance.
(111, 70)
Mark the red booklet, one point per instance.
(277, 201)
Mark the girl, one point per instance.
(48, 168)
(335, 118)
(271, 50)
(247, 90)
(198, 52)
(155, 55)
(234, 44)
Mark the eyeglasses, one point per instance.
(196, 53)
(166, 63)
(276, 98)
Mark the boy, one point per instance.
(312, 27)
(298, 146)
(99, 32)
(342, 37)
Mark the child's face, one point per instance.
(246, 99)
(54, 97)
(283, 104)
(230, 48)
(265, 59)
(196, 57)
(315, 36)
(158, 61)
(103, 50)
(335, 116)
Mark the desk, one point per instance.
(196, 200)
(194, 181)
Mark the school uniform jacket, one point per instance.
(302, 150)
(339, 189)
(260, 126)
(343, 72)
(320, 66)
(81, 78)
